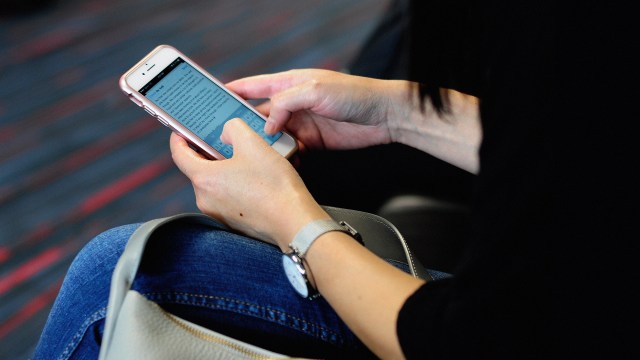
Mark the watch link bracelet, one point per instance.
(293, 261)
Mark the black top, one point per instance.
(550, 271)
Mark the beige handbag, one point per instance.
(137, 328)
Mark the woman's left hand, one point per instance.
(257, 191)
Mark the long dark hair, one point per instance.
(444, 39)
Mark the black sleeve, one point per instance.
(496, 306)
(423, 307)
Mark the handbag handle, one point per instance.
(129, 262)
(381, 237)
(378, 235)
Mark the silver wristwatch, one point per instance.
(293, 261)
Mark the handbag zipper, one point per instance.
(214, 339)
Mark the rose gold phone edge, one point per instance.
(175, 125)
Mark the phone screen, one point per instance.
(200, 105)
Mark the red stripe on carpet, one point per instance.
(124, 185)
(4, 254)
(30, 268)
(31, 308)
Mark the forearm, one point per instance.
(364, 290)
(453, 136)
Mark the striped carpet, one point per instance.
(76, 157)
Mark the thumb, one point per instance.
(239, 135)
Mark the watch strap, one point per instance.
(311, 232)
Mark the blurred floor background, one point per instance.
(77, 157)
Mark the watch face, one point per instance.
(294, 274)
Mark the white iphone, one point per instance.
(186, 98)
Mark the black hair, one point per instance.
(444, 45)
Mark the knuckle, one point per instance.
(201, 182)
(204, 190)
(314, 84)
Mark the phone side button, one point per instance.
(163, 121)
(136, 101)
(149, 111)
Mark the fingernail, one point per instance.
(268, 127)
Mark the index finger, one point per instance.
(264, 86)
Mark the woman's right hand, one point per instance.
(325, 109)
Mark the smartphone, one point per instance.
(190, 101)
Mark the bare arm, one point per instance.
(453, 136)
(326, 109)
(365, 291)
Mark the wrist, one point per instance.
(294, 260)
(400, 99)
(297, 221)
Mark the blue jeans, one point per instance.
(223, 281)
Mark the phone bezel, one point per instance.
(155, 62)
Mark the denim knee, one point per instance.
(100, 255)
